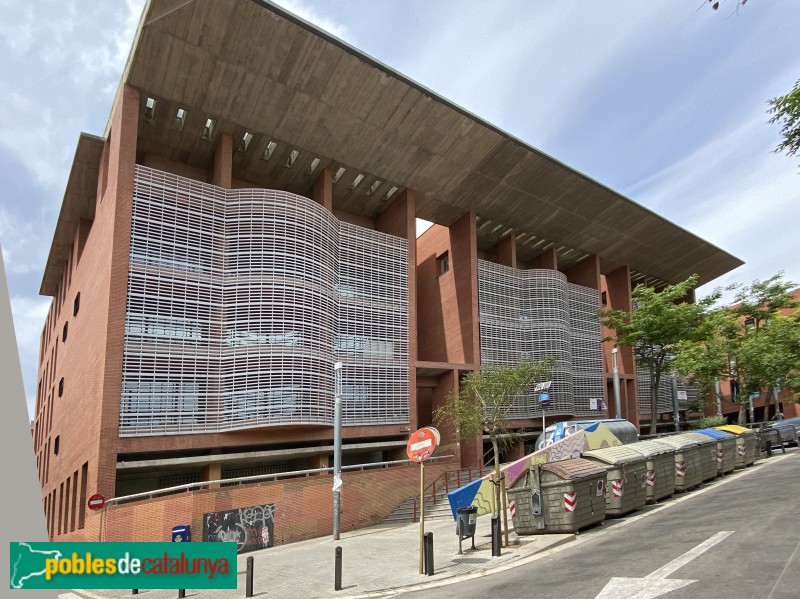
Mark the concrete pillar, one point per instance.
(323, 189)
(319, 460)
(223, 162)
(446, 383)
(507, 251)
(212, 471)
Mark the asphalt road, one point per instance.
(736, 540)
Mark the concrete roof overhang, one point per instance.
(78, 203)
(255, 68)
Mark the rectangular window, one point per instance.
(67, 496)
(60, 490)
(82, 500)
(73, 510)
(442, 264)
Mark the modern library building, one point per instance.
(247, 220)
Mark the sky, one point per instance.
(664, 102)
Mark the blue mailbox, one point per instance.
(181, 534)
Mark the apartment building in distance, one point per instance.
(248, 219)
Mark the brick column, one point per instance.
(323, 190)
(399, 218)
(223, 162)
(507, 251)
(618, 284)
(547, 259)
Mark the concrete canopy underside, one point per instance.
(252, 67)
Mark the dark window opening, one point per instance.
(604, 299)
(442, 264)
(64, 332)
(76, 305)
(56, 444)
(61, 387)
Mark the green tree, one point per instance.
(658, 322)
(749, 343)
(483, 402)
(785, 110)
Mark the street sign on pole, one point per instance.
(96, 502)
(422, 443)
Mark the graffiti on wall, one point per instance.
(250, 527)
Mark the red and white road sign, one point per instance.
(570, 501)
(741, 450)
(616, 487)
(651, 478)
(512, 506)
(422, 444)
(680, 469)
(601, 488)
(96, 502)
(720, 455)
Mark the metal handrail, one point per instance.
(469, 477)
(256, 478)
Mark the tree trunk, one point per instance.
(742, 419)
(496, 450)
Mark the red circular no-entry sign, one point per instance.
(96, 502)
(422, 444)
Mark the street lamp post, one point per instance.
(337, 447)
(615, 372)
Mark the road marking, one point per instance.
(656, 583)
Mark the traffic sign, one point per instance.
(422, 444)
(544, 397)
(542, 386)
(96, 502)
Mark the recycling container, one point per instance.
(559, 497)
(745, 444)
(708, 453)
(688, 471)
(660, 468)
(726, 448)
(466, 520)
(626, 481)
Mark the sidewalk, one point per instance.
(375, 561)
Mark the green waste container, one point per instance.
(708, 453)
(688, 470)
(660, 468)
(626, 482)
(726, 448)
(559, 497)
(746, 444)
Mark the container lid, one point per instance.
(650, 448)
(714, 433)
(696, 438)
(620, 454)
(574, 468)
(677, 441)
(735, 429)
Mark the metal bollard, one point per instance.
(495, 536)
(248, 581)
(134, 591)
(181, 593)
(429, 553)
(337, 570)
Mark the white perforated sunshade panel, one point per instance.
(241, 301)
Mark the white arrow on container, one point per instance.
(657, 583)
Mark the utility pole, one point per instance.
(676, 408)
(615, 371)
(337, 447)
(717, 397)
